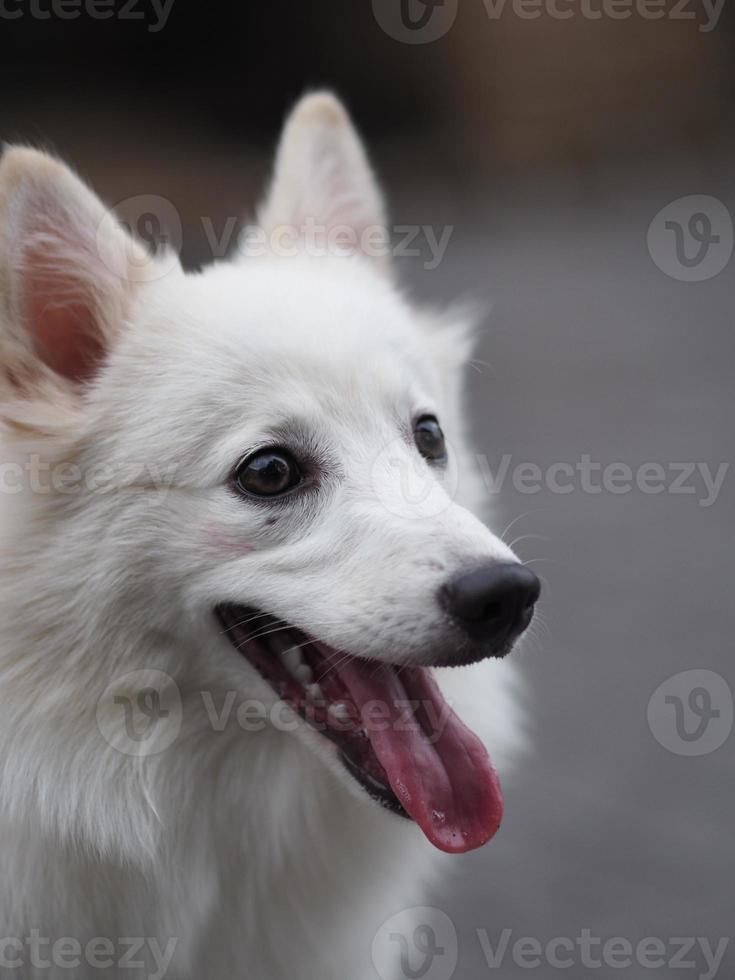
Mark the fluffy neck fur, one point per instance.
(191, 844)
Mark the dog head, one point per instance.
(266, 455)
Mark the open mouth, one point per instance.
(395, 732)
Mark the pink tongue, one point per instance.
(436, 766)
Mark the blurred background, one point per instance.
(548, 138)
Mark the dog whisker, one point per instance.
(527, 537)
(520, 517)
(244, 622)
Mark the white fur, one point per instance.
(254, 850)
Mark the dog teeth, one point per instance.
(296, 666)
(314, 692)
(292, 659)
(339, 712)
(304, 674)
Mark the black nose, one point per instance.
(493, 602)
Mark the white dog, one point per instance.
(212, 483)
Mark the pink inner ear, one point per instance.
(62, 321)
(65, 340)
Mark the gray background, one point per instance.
(592, 349)
(549, 146)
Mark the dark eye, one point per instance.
(429, 439)
(268, 473)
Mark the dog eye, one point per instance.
(268, 473)
(429, 438)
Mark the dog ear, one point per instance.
(323, 182)
(67, 274)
